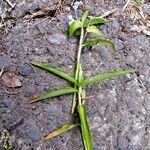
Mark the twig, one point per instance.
(106, 13)
(125, 6)
(1, 72)
(10, 3)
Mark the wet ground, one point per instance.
(118, 109)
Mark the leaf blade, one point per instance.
(105, 76)
(95, 30)
(84, 16)
(55, 93)
(94, 21)
(99, 41)
(73, 27)
(54, 71)
(58, 131)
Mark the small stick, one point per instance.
(106, 13)
(10, 3)
(125, 6)
(1, 72)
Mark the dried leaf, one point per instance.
(10, 80)
(60, 130)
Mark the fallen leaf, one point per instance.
(10, 80)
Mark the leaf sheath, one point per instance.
(87, 139)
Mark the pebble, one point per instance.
(131, 106)
(57, 39)
(146, 9)
(130, 60)
(73, 40)
(33, 132)
(131, 147)
(115, 24)
(119, 44)
(4, 63)
(104, 55)
(15, 125)
(25, 69)
(122, 143)
(138, 40)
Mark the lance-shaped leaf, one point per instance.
(84, 16)
(73, 27)
(55, 93)
(87, 139)
(55, 71)
(95, 30)
(98, 41)
(95, 21)
(105, 76)
(60, 130)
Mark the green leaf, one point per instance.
(105, 76)
(87, 139)
(84, 16)
(55, 71)
(95, 21)
(55, 93)
(99, 41)
(73, 27)
(138, 2)
(60, 130)
(95, 30)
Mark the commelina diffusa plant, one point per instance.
(81, 28)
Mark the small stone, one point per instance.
(138, 40)
(120, 2)
(57, 39)
(104, 55)
(73, 40)
(131, 106)
(25, 69)
(50, 51)
(115, 24)
(4, 63)
(33, 132)
(122, 143)
(130, 60)
(131, 147)
(119, 44)
(15, 125)
(146, 9)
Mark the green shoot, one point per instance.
(81, 28)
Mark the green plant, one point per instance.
(6, 140)
(81, 28)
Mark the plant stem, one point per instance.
(80, 45)
(77, 69)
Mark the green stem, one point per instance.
(77, 69)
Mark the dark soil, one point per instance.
(118, 109)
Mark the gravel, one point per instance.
(119, 44)
(130, 60)
(33, 132)
(122, 143)
(25, 69)
(57, 39)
